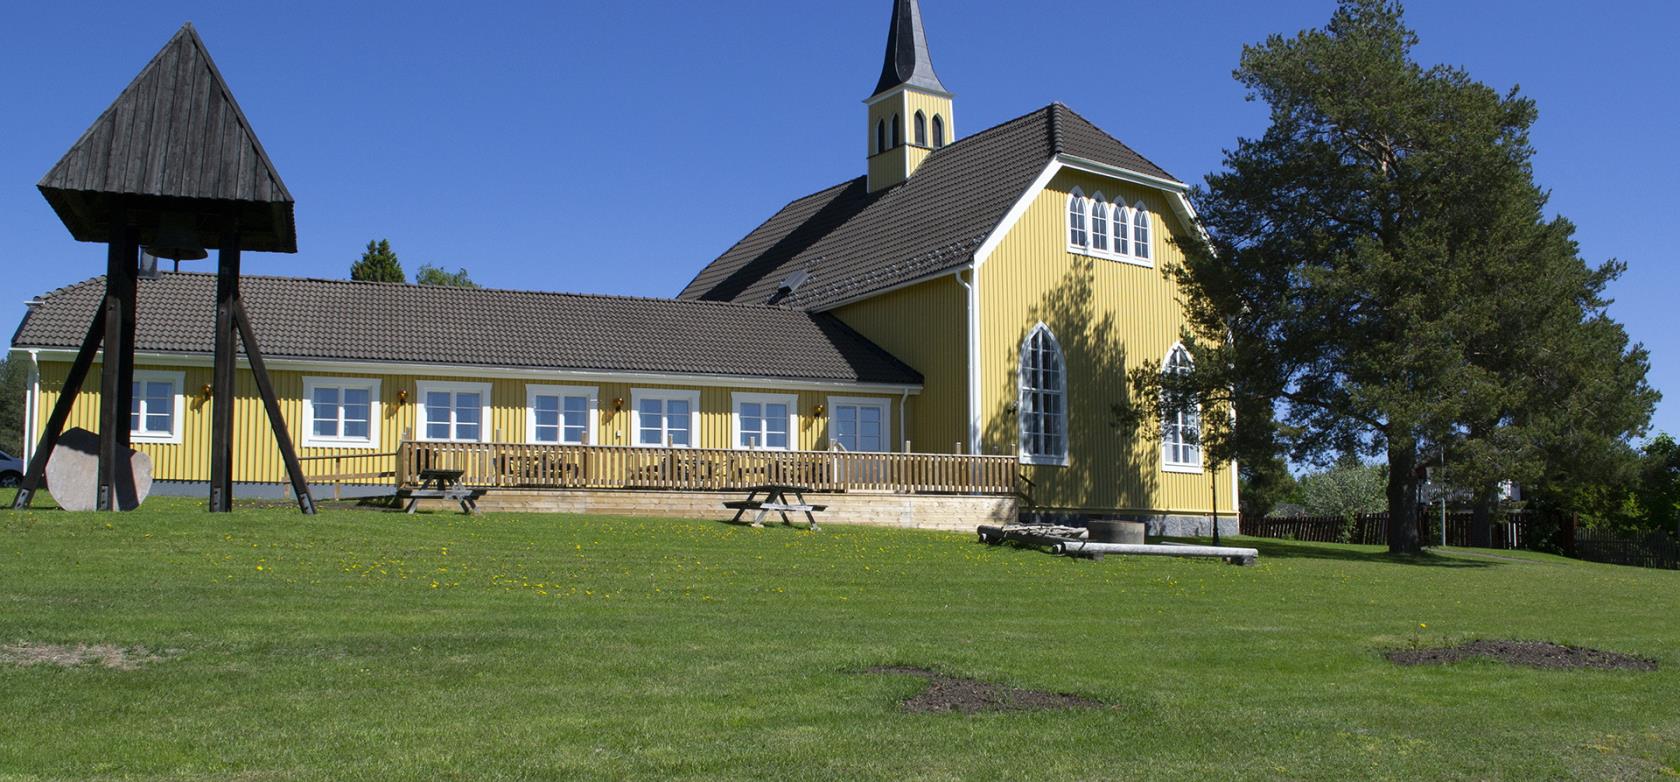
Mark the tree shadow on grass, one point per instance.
(1284, 549)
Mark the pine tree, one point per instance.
(1362, 258)
(378, 264)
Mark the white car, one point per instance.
(11, 470)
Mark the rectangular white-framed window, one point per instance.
(155, 414)
(860, 424)
(764, 421)
(661, 417)
(561, 415)
(341, 412)
(453, 412)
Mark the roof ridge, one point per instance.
(1115, 139)
(464, 291)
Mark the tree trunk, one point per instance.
(1481, 516)
(1402, 498)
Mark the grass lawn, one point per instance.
(359, 644)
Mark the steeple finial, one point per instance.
(908, 61)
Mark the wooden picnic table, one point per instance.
(444, 485)
(776, 499)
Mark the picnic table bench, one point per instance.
(443, 485)
(776, 499)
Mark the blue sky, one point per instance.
(617, 147)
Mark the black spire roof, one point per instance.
(174, 138)
(908, 61)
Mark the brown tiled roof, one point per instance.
(853, 243)
(369, 321)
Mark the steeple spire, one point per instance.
(908, 62)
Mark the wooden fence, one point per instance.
(703, 469)
(355, 469)
(1510, 530)
(1655, 550)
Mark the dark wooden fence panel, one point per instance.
(1510, 530)
(1657, 550)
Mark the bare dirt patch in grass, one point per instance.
(122, 658)
(1534, 654)
(970, 696)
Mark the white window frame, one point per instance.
(763, 398)
(1076, 200)
(664, 394)
(884, 405)
(375, 418)
(1140, 213)
(1168, 465)
(1025, 456)
(424, 387)
(177, 381)
(592, 415)
(1097, 202)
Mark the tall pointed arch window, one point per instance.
(1122, 229)
(1181, 434)
(1042, 406)
(1099, 223)
(1078, 236)
(921, 129)
(897, 131)
(938, 131)
(1140, 231)
(880, 136)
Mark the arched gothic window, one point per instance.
(1181, 435)
(1077, 235)
(921, 129)
(938, 131)
(1122, 229)
(1099, 223)
(880, 136)
(898, 131)
(1140, 231)
(1042, 406)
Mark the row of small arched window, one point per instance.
(920, 129)
(1101, 228)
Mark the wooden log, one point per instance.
(1241, 556)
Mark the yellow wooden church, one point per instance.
(953, 325)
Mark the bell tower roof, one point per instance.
(908, 62)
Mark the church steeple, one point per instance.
(910, 111)
(908, 61)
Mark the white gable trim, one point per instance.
(1015, 212)
(1175, 191)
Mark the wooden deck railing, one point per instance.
(703, 469)
(356, 469)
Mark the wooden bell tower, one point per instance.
(172, 166)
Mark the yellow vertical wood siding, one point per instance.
(1108, 317)
(256, 459)
(926, 326)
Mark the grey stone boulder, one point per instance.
(73, 473)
